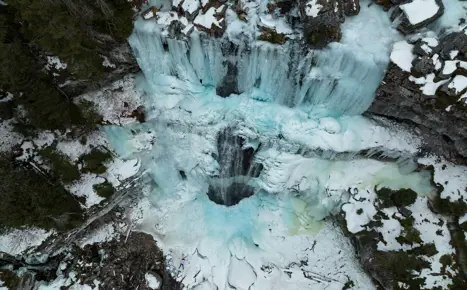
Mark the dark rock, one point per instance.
(139, 114)
(406, 27)
(119, 54)
(322, 30)
(404, 211)
(6, 110)
(452, 91)
(228, 85)
(419, 50)
(284, 6)
(443, 132)
(271, 36)
(453, 41)
(422, 66)
(351, 7)
(120, 264)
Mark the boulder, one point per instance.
(351, 7)
(422, 66)
(318, 32)
(416, 14)
(456, 41)
(426, 47)
(149, 13)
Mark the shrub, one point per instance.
(61, 166)
(401, 197)
(94, 161)
(104, 189)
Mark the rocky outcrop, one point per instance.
(117, 61)
(322, 19)
(432, 95)
(416, 14)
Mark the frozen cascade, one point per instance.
(281, 149)
(335, 81)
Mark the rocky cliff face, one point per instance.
(432, 94)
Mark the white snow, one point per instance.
(453, 54)
(119, 170)
(431, 41)
(153, 281)
(452, 177)
(279, 24)
(102, 234)
(330, 125)
(148, 15)
(437, 61)
(207, 19)
(55, 62)
(9, 138)
(459, 84)
(432, 228)
(116, 102)
(191, 6)
(429, 87)
(241, 274)
(44, 139)
(426, 48)
(312, 8)
(9, 97)
(18, 241)
(356, 222)
(450, 66)
(74, 149)
(402, 55)
(84, 188)
(107, 63)
(418, 11)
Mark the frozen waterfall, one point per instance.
(249, 146)
(339, 80)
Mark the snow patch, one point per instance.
(312, 8)
(18, 241)
(402, 55)
(418, 11)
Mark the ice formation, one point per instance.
(281, 148)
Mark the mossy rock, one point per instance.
(272, 36)
(104, 189)
(94, 161)
(398, 266)
(401, 197)
(424, 250)
(456, 208)
(322, 30)
(29, 199)
(410, 237)
(61, 166)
